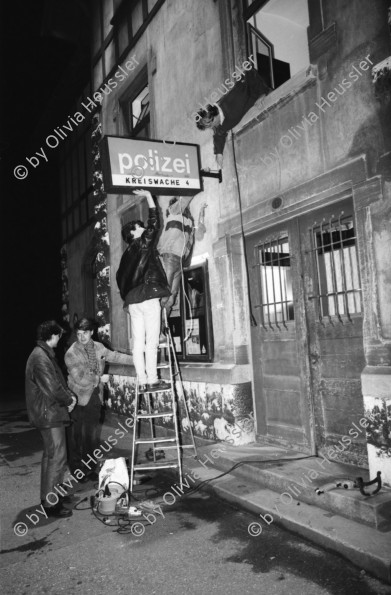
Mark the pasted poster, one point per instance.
(193, 345)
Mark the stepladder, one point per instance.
(155, 406)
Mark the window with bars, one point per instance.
(273, 261)
(338, 281)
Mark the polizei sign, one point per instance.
(162, 167)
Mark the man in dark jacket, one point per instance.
(230, 109)
(49, 402)
(142, 282)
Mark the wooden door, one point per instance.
(334, 321)
(279, 348)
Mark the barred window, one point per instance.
(273, 260)
(338, 281)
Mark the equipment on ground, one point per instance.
(351, 484)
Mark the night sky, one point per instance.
(39, 51)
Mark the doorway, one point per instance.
(307, 346)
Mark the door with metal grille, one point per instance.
(280, 360)
(334, 321)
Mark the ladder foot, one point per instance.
(147, 411)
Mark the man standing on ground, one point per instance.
(85, 361)
(142, 282)
(48, 401)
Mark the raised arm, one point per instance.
(148, 196)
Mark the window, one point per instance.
(277, 37)
(136, 110)
(77, 197)
(130, 20)
(275, 279)
(190, 320)
(140, 113)
(338, 282)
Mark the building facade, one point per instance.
(283, 324)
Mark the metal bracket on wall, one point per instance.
(212, 174)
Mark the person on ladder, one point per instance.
(142, 283)
(175, 246)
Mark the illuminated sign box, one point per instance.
(161, 167)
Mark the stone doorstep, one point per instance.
(364, 546)
(290, 478)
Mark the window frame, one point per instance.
(328, 304)
(266, 321)
(76, 214)
(126, 101)
(208, 329)
(248, 12)
(254, 32)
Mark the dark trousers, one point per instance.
(84, 434)
(53, 464)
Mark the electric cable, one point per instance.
(190, 330)
(123, 524)
(253, 321)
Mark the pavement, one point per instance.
(277, 486)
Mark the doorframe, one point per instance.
(290, 227)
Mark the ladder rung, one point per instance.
(180, 446)
(152, 440)
(155, 390)
(145, 467)
(167, 361)
(151, 415)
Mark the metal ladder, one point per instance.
(169, 443)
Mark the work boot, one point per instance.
(57, 512)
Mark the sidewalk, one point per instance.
(279, 486)
(275, 485)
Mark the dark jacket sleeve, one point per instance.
(152, 227)
(47, 380)
(219, 138)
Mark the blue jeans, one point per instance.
(172, 267)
